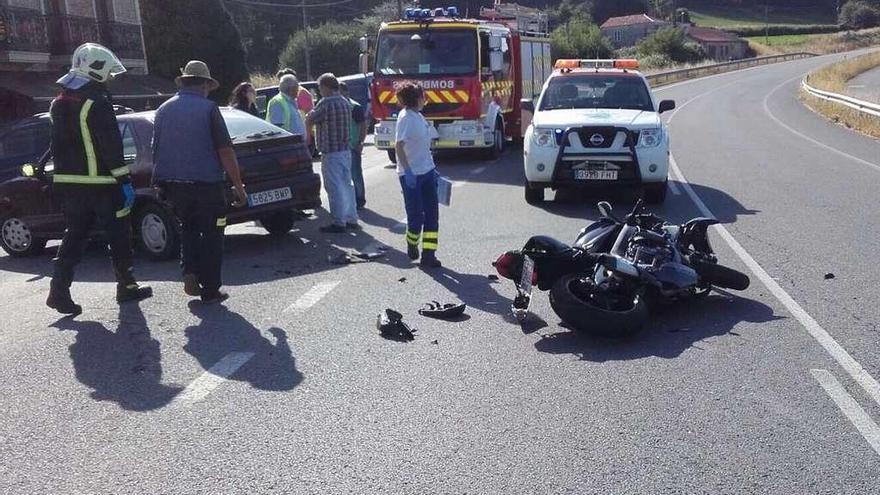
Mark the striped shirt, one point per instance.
(332, 118)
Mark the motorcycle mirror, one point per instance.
(605, 209)
(28, 170)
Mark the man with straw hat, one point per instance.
(191, 150)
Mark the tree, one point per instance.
(579, 38)
(859, 14)
(672, 43)
(176, 32)
(569, 10)
(661, 9)
(333, 47)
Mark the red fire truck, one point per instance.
(474, 72)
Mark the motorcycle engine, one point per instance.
(649, 251)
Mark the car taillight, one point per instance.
(503, 265)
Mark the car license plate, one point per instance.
(270, 196)
(595, 174)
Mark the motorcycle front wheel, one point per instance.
(587, 308)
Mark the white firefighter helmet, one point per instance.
(91, 62)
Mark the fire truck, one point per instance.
(474, 73)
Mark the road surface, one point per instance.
(865, 86)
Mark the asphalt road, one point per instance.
(753, 392)
(865, 86)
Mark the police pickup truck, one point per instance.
(596, 125)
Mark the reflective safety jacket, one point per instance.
(86, 144)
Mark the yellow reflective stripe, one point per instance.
(449, 97)
(82, 179)
(432, 246)
(221, 222)
(433, 97)
(87, 138)
(123, 213)
(462, 95)
(119, 172)
(431, 235)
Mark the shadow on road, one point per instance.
(474, 290)
(222, 331)
(123, 366)
(666, 335)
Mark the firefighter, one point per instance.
(91, 180)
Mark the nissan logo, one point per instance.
(597, 139)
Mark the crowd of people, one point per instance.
(195, 160)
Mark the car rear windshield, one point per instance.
(244, 126)
(597, 91)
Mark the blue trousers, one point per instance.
(357, 175)
(336, 173)
(422, 211)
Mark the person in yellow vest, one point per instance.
(282, 109)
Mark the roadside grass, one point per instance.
(815, 43)
(263, 80)
(782, 39)
(730, 17)
(845, 116)
(835, 77)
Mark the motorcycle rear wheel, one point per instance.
(581, 306)
(721, 276)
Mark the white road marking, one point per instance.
(846, 361)
(804, 136)
(856, 86)
(212, 378)
(478, 170)
(674, 188)
(312, 297)
(849, 407)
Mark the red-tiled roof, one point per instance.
(628, 20)
(710, 35)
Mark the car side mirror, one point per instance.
(666, 105)
(527, 105)
(605, 209)
(29, 170)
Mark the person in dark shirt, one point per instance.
(244, 98)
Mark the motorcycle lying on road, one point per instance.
(617, 270)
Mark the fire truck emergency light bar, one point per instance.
(620, 63)
(428, 13)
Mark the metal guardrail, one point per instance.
(860, 105)
(672, 76)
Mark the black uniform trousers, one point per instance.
(201, 208)
(93, 207)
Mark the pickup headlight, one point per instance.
(545, 138)
(650, 138)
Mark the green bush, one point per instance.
(655, 61)
(783, 29)
(333, 47)
(857, 14)
(672, 43)
(579, 38)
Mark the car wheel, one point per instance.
(497, 148)
(157, 233)
(655, 193)
(534, 195)
(17, 239)
(392, 156)
(278, 223)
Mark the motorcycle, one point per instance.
(618, 270)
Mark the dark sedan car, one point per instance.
(275, 165)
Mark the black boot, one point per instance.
(132, 292)
(59, 300)
(429, 259)
(412, 251)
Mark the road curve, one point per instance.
(865, 86)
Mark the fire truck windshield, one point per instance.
(427, 52)
(596, 91)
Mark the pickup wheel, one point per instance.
(278, 223)
(534, 195)
(17, 239)
(158, 235)
(655, 194)
(392, 156)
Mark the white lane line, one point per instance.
(312, 297)
(674, 188)
(213, 378)
(856, 86)
(852, 367)
(849, 407)
(478, 170)
(804, 136)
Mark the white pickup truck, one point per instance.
(596, 125)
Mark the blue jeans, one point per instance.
(357, 174)
(422, 211)
(336, 172)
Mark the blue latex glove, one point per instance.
(409, 178)
(128, 191)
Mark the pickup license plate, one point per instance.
(270, 196)
(595, 174)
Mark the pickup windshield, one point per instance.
(608, 91)
(427, 52)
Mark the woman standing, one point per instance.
(418, 176)
(244, 98)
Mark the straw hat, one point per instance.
(196, 69)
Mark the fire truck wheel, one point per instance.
(498, 148)
(392, 156)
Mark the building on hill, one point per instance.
(718, 44)
(629, 30)
(38, 37)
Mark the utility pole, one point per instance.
(306, 28)
(400, 9)
(767, 23)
